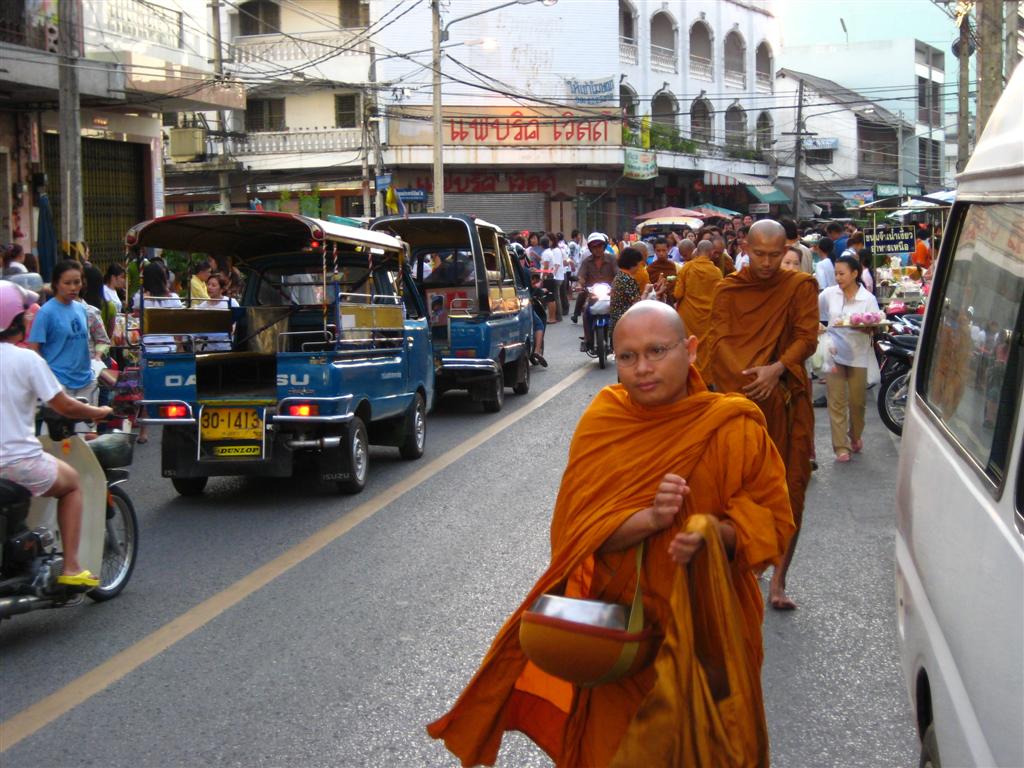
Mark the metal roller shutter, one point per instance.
(512, 211)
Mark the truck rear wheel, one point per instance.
(189, 486)
(415, 439)
(496, 397)
(355, 457)
(522, 385)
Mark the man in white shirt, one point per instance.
(25, 378)
(824, 270)
(552, 258)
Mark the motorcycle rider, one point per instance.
(598, 268)
(25, 378)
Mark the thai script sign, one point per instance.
(890, 242)
(639, 164)
(504, 126)
(592, 92)
(483, 183)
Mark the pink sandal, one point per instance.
(842, 456)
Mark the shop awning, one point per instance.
(758, 186)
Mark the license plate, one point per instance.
(231, 424)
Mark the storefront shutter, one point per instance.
(512, 211)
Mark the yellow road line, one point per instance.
(45, 711)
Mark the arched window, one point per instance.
(664, 109)
(764, 132)
(735, 127)
(701, 118)
(763, 67)
(735, 60)
(627, 22)
(702, 64)
(259, 17)
(663, 43)
(628, 102)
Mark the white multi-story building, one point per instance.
(137, 59)
(534, 99)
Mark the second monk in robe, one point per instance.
(764, 325)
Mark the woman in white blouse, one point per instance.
(851, 353)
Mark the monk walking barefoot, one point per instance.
(694, 476)
(764, 325)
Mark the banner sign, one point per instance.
(639, 164)
(383, 182)
(812, 143)
(475, 126)
(890, 242)
(592, 92)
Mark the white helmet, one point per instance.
(597, 237)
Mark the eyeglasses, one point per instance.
(653, 354)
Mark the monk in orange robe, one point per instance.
(650, 457)
(764, 325)
(694, 290)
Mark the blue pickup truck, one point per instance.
(478, 297)
(329, 351)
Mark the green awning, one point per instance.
(768, 194)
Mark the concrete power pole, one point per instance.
(990, 58)
(223, 177)
(963, 112)
(72, 232)
(1012, 12)
(378, 159)
(799, 149)
(435, 12)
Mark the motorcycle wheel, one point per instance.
(601, 345)
(120, 546)
(357, 457)
(892, 401)
(415, 430)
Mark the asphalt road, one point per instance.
(340, 657)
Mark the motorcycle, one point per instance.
(30, 560)
(896, 359)
(600, 315)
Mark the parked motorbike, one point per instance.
(30, 559)
(896, 359)
(600, 314)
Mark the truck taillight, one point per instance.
(465, 353)
(303, 409)
(174, 411)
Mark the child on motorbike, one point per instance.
(25, 378)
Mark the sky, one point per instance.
(805, 22)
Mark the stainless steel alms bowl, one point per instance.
(593, 613)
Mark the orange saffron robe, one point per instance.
(694, 291)
(619, 454)
(758, 322)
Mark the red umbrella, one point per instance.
(669, 213)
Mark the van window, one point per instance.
(973, 373)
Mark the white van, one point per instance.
(960, 494)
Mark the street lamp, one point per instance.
(439, 35)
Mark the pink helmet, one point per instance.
(13, 301)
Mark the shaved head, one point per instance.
(686, 249)
(704, 248)
(766, 245)
(653, 354)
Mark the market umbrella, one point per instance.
(670, 212)
(671, 222)
(46, 238)
(707, 209)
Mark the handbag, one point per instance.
(588, 642)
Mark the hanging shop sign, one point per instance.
(591, 93)
(817, 143)
(474, 126)
(894, 190)
(890, 242)
(639, 164)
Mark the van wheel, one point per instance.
(415, 439)
(493, 403)
(522, 385)
(356, 457)
(930, 749)
(189, 486)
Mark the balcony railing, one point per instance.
(628, 53)
(764, 82)
(315, 140)
(663, 59)
(737, 78)
(255, 49)
(701, 68)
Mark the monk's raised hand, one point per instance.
(684, 546)
(668, 500)
(766, 378)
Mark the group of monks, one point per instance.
(701, 453)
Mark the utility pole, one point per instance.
(963, 111)
(223, 177)
(435, 10)
(799, 149)
(990, 58)
(1012, 11)
(899, 154)
(72, 232)
(366, 155)
(378, 160)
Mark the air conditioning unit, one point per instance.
(187, 144)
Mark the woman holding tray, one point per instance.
(845, 306)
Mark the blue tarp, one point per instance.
(46, 238)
